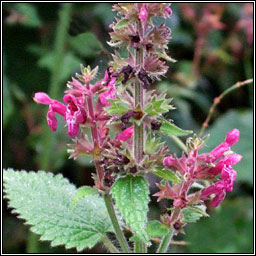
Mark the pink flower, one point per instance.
(51, 119)
(219, 150)
(126, 134)
(168, 11)
(169, 161)
(232, 137)
(42, 98)
(73, 113)
(54, 108)
(143, 14)
(228, 176)
(111, 92)
(174, 163)
(228, 160)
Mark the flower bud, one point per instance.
(143, 15)
(168, 11)
(232, 137)
(126, 134)
(169, 161)
(42, 98)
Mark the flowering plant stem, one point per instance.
(164, 245)
(119, 234)
(140, 246)
(218, 99)
(108, 244)
(138, 129)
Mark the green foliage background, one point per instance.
(39, 54)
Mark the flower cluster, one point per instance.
(84, 107)
(194, 168)
(77, 112)
(197, 167)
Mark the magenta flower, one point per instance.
(143, 14)
(54, 108)
(111, 92)
(228, 160)
(73, 113)
(232, 137)
(228, 176)
(42, 98)
(126, 134)
(205, 167)
(168, 10)
(172, 162)
(217, 189)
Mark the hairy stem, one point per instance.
(138, 129)
(119, 234)
(164, 245)
(109, 245)
(140, 247)
(218, 99)
(138, 138)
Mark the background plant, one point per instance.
(21, 92)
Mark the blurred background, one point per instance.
(43, 46)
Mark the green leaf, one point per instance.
(43, 200)
(152, 144)
(86, 44)
(243, 121)
(163, 173)
(158, 105)
(118, 107)
(156, 229)
(123, 23)
(81, 193)
(131, 197)
(194, 213)
(166, 57)
(170, 129)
